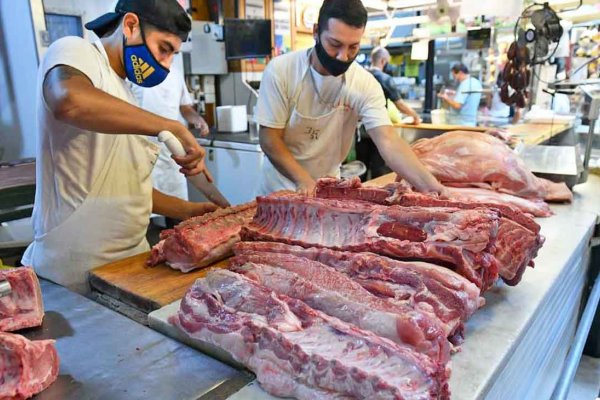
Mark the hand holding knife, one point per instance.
(201, 181)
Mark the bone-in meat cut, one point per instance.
(23, 307)
(429, 288)
(296, 351)
(518, 239)
(460, 239)
(335, 294)
(26, 367)
(201, 241)
(401, 193)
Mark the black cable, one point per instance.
(573, 9)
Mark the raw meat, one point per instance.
(296, 351)
(26, 367)
(402, 194)
(201, 241)
(429, 288)
(473, 159)
(518, 239)
(333, 293)
(23, 307)
(352, 189)
(461, 239)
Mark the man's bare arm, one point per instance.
(454, 104)
(73, 99)
(174, 207)
(402, 160)
(406, 109)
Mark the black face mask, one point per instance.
(387, 68)
(334, 66)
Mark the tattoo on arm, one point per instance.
(59, 75)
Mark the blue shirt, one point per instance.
(467, 115)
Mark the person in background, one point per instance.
(380, 68)
(170, 99)
(366, 150)
(311, 101)
(94, 194)
(465, 103)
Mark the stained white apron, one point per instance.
(319, 144)
(111, 222)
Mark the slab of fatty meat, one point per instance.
(297, 351)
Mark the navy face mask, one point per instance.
(334, 66)
(140, 65)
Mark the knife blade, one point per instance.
(199, 181)
(5, 288)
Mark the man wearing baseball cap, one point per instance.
(94, 192)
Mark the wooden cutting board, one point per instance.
(531, 133)
(145, 288)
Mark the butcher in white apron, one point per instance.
(94, 193)
(310, 103)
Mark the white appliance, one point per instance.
(208, 53)
(235, 167)
(232, 119)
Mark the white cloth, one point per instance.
(498, 109)
(93, 191)
(165, 99)
(317, 131)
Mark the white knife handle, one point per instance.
(172, 143)
(5, 288)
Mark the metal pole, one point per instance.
(429, 71)
(588, 152)
(572, 361)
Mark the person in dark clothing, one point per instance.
(366, 151)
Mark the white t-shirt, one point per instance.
(165, 98)
(69, 158)
(284, 75)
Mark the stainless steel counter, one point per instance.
(237, 137)
(516, 345)
(106, 356)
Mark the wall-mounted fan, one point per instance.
(536, 29)
(546, 30)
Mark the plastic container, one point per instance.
(232, 119)
(438, 117)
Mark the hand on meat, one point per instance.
(307, 187)
(197, 209)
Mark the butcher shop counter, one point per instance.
(528, 133)
(106, 356)
(516, 345)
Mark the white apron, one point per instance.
(165, 100)
(111, 222)
(319, 144)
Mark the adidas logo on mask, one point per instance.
(141, 69)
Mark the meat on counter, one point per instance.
(23, 307)
(26, 367)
